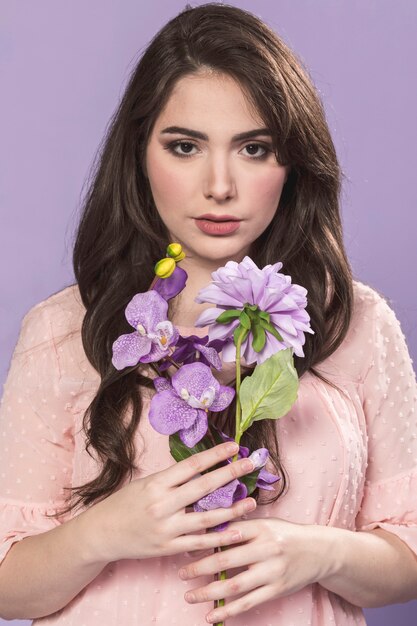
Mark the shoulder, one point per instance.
(59, 315)
(372, 317)
(53, 327)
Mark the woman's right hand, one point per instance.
(147, 517)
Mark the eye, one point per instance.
(184, 146)
(254, 150)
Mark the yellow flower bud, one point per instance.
(174, 250)
(165, 267)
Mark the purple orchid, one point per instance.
(170, 287)
(261, 293)
(193, 349)
(236, 490)
(181, 405)
(153, 335)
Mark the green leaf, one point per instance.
(244, 320)
(179, 451)
(228, 316)
(264, 315)
(270, 391)
(250, 480)
(270, 328)
(259, 337)
(237, 332)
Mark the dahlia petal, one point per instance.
(213, 294)
(222, 331)
(284, 322)
(168, 413)
(238, 288)
(257, 279)
(208, 316)
(229, 352)
(193, 434)
(129, 349)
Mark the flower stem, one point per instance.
(217, 603)
(238, 433)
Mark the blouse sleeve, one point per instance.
(390, 406)
(36, 435)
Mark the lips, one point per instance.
(218, 218)
(217, 225)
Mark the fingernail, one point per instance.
(236, 536)
(232, 448)
(250, 506)
(212, 617)
(248, 465)
(182, 574)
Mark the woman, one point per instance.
(219, 118)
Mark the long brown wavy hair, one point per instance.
(120, 234)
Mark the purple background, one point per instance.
(64, 66)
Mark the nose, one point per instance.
(219, 181)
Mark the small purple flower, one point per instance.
(193, 349)
(222, 497)
(183, 405)
(170, 287)
(153, 335)
(236, 490)
(244, 284)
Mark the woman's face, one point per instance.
(197, 165)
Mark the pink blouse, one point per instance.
(351, 457)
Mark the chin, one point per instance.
(223, 250)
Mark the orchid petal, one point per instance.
(195, 378)
(223, 398)
(161, 384)
(193, 434)
(211, 355)
(128, 350)
(223, 497)
(146, 309)
(168, 413)
(170, 287)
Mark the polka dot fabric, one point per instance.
(350, 453)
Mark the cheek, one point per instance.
(265, 189)
(168, 185)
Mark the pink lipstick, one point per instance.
(217, 224)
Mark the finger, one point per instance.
(241, 583)
(239, 556)
(205, 541)
(202, 486)
(193, 522)
(185, 470)
(241, 605)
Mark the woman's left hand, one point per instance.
(281, 558)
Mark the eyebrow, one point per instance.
(173, 130)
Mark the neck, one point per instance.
(185, 309)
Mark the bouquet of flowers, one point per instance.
(258, 315)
